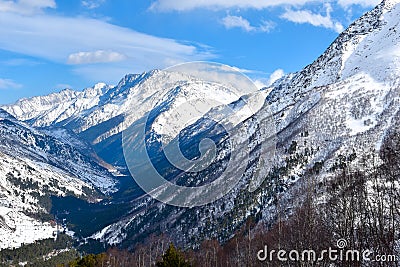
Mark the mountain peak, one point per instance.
(97, 90)
(133, 78)
(369, 46)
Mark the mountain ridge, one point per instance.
(341, 105)
(320, 119)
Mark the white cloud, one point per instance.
(260, 83)
(276, 75)
(185, 5)
(62, 39)
(9, 84)
(26, 7)
(306, 16)
(239, 22)
(92, 4)
(99, 56)
(292, 14)
(266, 26)
(15, 62)
(240, 69)
(266, 82)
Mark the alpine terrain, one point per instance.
(62, 156)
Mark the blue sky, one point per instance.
(49, 45)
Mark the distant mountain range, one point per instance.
(66, 147)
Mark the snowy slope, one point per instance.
(363, 89)
(99, 118)
(17, 229)
(34, 166)
(56, 155)
(57, 107)
(369, 45)
(80, 111)
(21, 141)
(344, 103)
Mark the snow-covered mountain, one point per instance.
(343, 104)
(97, 114)
(61, 133)
(34, 166)
(57, 107)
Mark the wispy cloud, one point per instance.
(296, 11)
(99, 56)
(56, 37)
(92, 4)
(80, 40)
(266, 26)
(276, 75)
(364, 3)
(15, 62)
(9, 84)
(245, 71)
(26, 7)
(318, 20)
(239, 22)
(185, 5)
(265, 82)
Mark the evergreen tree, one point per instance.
(173, 258)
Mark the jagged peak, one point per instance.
(343, 59)
(127, 82)
(97, 90)
(130, 78)
(59, 96)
